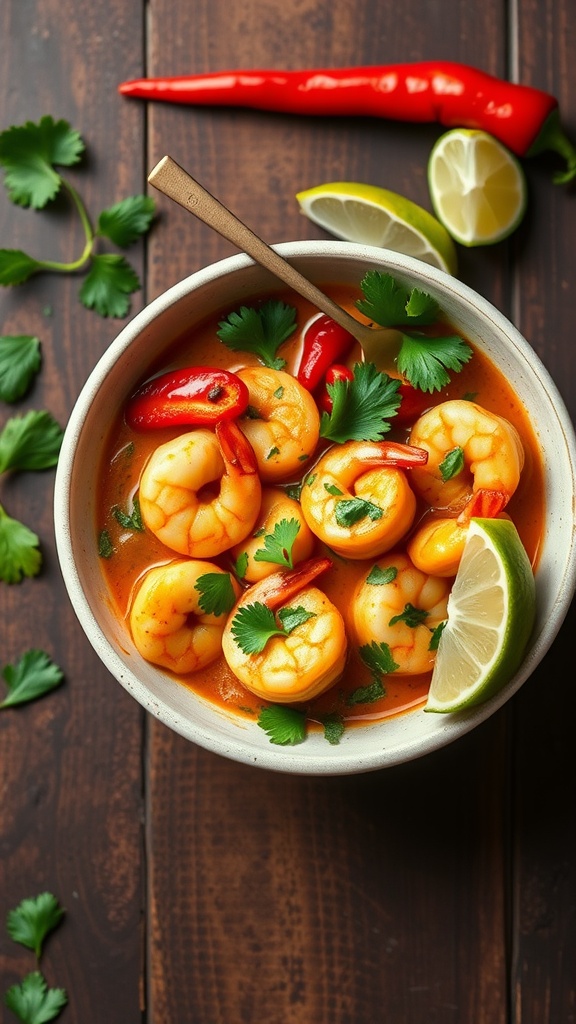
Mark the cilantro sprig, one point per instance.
(255, 624)
(29, 442)
(29, 924)
(33, 1002)
(33, 919)
(30, 155)
(260, 330)
(423, 361)
(34, 675)
(361, 407)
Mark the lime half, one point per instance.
(376, 216)
(477, 187)
(491, 612)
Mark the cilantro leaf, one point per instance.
(31, 677)
(19, 363)
(259, 330)
(352, 510)
(130, 520)
(425, 361)
(29, 154)
(378, 577)
(284, 726)
(278, 544)
(16, 266)
(33, 919)
(33, 1002)
(108, 284)
(378, 658)
(361, 407)
(19, 554)
(127, 220)
(367, 694)
(217, 595)
(333, 728)
(241, 565)
(436, 635)
(105, 545)
(254, 625)
(452, 463)
(411, 616)
(390, 304)
(30, 442)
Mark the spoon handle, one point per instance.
(171, 179)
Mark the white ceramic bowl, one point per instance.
(126, 361)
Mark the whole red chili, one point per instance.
(335, 372)
(324, 343)
(524, 119)
(194, 395)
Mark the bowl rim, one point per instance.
(278, 758)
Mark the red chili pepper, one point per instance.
(335, 372)
(194, 395)
(324, 343)
(413, 404)
(524, 119)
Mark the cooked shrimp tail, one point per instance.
(392, 453)
(484, 504)
(236, 450)
(280, 587)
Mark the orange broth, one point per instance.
(135, 552)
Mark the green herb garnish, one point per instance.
(351, 510)
(378, 577)
(217, 595)
(411, 616)
(361, 407)
(378, 658)
(259, 330)
(254, 625)
(31, 677)
(19, 363)
(278, 545)
(30, 154)
(33, 1002)
(452, 464)
(33, 919)
(284, 726)
(130, 520)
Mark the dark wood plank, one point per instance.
(543, 977)
(70, 764)
(282, 898)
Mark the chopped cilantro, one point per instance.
(241, 565)
(333, 728)
(436, 635)
(411, 616)
(367, 694)
(361, 407)
(452, 464)
(30, 154)
(33, 919)
(351, 510)
(332, 489)
(378, 658)
(423, 361)
(283, 725)
(259, 330)
(378, 577)
(272, 453)
(278, 545)
(254, 625)
(130, 520)
(105, 545)
(19, 363)
(217, 595)
(31, 677)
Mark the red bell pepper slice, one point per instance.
(325, 342)
(194, 395)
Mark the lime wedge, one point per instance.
(491, 612)
(477, 187)
(375, 216)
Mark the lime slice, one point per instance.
(375, 216)
(477, 187)
(491, 612)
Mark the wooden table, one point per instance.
(197, 890)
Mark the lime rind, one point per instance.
(373, 215)
(492, 607)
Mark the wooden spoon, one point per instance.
(379, 344)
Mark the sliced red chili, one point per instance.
(324, 343)
(193, 395)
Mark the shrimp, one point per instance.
(251, 556)
(400, 606)
(301, 662)
(492, 458)
(201, 492)
(357, 500)
(489, 446)
(168, 624)
(284, 423)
